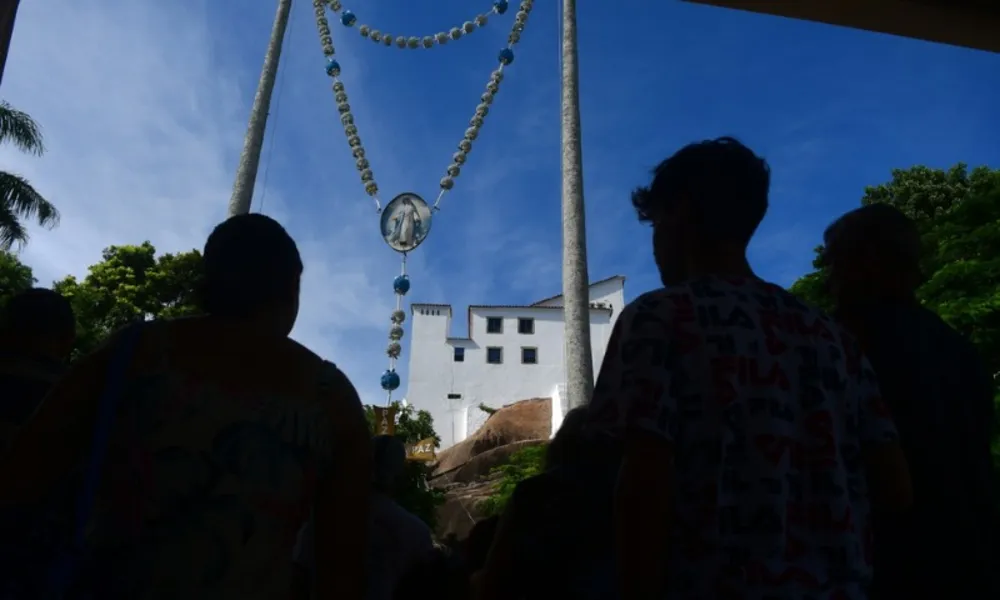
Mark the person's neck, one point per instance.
(723, 265)
(258, 326)
(16, 346)
(877, 303)
(861, 316)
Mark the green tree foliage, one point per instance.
(131, 283)
(958, 215)
(18, 199)
(15, 277)
(413, 493)
(525, 463)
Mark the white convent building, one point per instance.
(508, 353)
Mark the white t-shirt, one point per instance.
(767, 402)
(398, 542)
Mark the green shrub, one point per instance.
(523, 464)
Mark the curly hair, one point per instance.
(725, 183)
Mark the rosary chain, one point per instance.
(413, 42)
(506, 57)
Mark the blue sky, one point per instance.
(144, 124)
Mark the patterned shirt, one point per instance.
(767, 403)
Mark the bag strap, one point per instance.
(117, 374)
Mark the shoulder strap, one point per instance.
(121, 358)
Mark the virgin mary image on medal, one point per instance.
(406, 221)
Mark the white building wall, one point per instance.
(452, 391)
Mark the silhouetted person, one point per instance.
(554, 537)
(228, 435)
(749, 419)
(37, 331)
(477, 546)
(399, 541)
(438, 577)
(941, 398)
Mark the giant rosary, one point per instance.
(405, 221)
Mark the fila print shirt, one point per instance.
(767, 403)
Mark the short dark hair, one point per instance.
(877, 225)
(725, 182)
(250, 263)
(40, 312)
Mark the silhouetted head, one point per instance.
(253, 272)
(388, 462)
(40, 321)
(477, 545)
(873, 256)
(705, 203)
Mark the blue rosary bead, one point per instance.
(348, 18)
(401, 284)
(506, 56)
(390, 380)
(500, 7)
(332, 68)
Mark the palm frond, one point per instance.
(20, 129)
(23, 201)
(12, 232)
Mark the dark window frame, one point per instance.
(458, 354)
(532, 349)
(498, 349)
(494, 320)
(531, 325)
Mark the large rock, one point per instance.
(517, 422)
(465, 471)
(481, 465)
(462, 507)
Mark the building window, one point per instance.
(494, 356)
(454, 396)
(529, 356)
(494, 325)
(459, 354)
(526, 326)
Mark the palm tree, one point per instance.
(253, 143)
(576, 290)
(18, 199)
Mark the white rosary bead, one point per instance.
(477, 121)
(348, 19)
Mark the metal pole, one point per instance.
(576, 287)
(246, 173)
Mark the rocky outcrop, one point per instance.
(524, 420)
(464, 471)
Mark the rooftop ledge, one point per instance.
(968, 23)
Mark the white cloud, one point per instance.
(144, 127)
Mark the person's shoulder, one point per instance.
(401, 517)
(656, 301)
(536, 487)
(951, 342)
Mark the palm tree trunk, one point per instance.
(246, 173)
(8, 14)
(576, 289)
